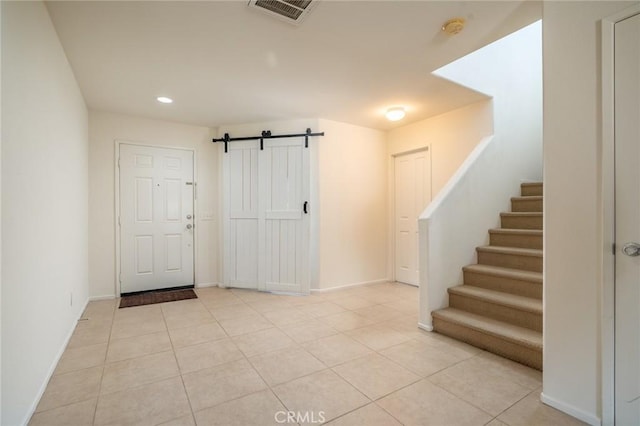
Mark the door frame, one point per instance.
(392, 198)
(116, 223)
(607, 300)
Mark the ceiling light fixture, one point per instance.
(164, 99)
(395, 113)
(453, 26)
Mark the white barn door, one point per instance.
(412, 194)
(266, 231)
(156, 218)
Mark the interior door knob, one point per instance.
(631, 249)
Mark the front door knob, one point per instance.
(631, 249)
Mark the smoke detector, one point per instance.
(453, 26)
(292, 11)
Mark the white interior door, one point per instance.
(627, 158)
(266, 230)
(156, 218)
(412, 194)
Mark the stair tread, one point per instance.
(500, 329)
(516, 231)
(505, 272)
(531, 184)
(524, 214)
(511, 250)
(514, 301)
(527, 198)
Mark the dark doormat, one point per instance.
(158, 296)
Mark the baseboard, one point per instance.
(425, 327)
(344, 286)
(53, 366)
(98, 298)
(205, 285)
(571, 410)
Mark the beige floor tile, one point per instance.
(180, 307)
(259, 408)
(420, 358)
(408, 325)
(150, 404)
(323, 309)
(407, 307)
(502, 367)
(323, 392)
(285, 365)
(187, 420)
(379, 313)
(378, 296)
(78, 414)
(193, 335)
(137, 327)
(305, 300)
(353, 302)
(205, 355)
(378, 336)
(375, 376)
(243, 325)
(101, 309)
(211, 301)
(337, 349)
(287, 316)
(187, 315)
(496, 422)
(232, 311)
(348, 320)
(470, 381)
(65, 389)
(81, 357)
(264, 306)
(248, 296)
(138, 371)
(531, 411)
(90, 333)
(369, 415)
(213, 386)
(138, 313)
(455, 348)
(134, 347)
(263, 341)
(310, 330)
(424, 403)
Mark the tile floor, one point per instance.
(235, 357)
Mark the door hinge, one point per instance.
(118, 162)
(119, 223)
(613, 249)
(120, 277)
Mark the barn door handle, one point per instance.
(304, 207)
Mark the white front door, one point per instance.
(627, 178)
(156, 218)
(266, 232)
(412, 194)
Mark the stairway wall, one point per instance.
(509, 70)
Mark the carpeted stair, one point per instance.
(499, 306)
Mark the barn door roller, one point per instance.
(266, 134)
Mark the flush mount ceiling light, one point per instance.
(395, 113)
(164, 100)
(453, 26)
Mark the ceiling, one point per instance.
(225, 63)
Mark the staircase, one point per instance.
(499, 307)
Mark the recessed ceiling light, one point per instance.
(164, 99)
(395, 113)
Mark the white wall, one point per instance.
(450, 136)
(458, 218)
(44, 205)
(572, 376)
(104, 130)
(353, 205)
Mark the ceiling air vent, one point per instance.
(292, 11)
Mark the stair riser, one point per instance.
(531, 190)
(526, 205)
(507, 314)
(508, 349)
(506, 285)
(511, 240)
(505, 260)
(521, 222)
